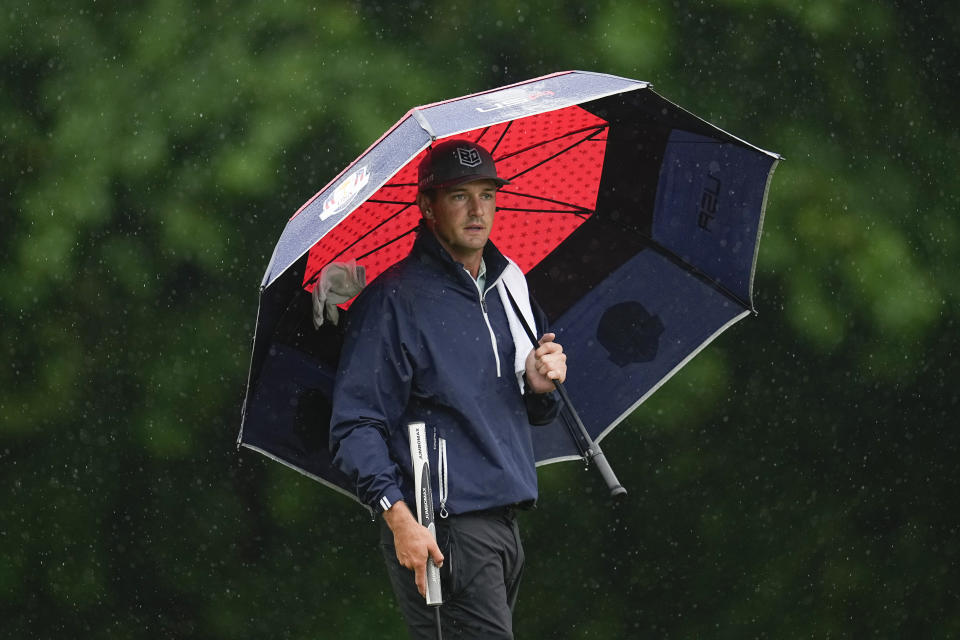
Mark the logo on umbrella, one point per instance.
(515, 101)
(345, 192)
(630, 333)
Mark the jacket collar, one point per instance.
(427, 245)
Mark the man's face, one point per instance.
(462, 217)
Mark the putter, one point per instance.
(421, 474)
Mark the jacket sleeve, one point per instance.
(542, 408)
(369, 397)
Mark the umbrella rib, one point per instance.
(404, 202)
(387, 243)
(586, 138)
(697, 273)
(359, 239)
(545, 199)
(482, 133)
(496, 145)
(578, 212)
(364, 236)
(593, 129)
(500, 139)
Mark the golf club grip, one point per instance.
(434, 593)
(420, 461)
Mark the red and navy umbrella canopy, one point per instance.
(636, 222)
(553, 160)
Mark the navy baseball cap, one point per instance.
(454, 162)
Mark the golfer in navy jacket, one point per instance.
(434, 340)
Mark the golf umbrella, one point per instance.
(636, 222)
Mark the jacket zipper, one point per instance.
(493, 338)
(486, 318)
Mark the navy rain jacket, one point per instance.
(422, 345)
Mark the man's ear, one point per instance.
(424, 203)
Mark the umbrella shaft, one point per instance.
(593, 449)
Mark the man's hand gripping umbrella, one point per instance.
(546, 368)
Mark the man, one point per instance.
(434, 340)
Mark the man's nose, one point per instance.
(473, 206)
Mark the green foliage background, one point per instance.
(797, 479)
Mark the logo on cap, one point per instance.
(469, 157)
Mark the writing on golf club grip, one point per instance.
(421, 474)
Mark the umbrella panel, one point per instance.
(554, 161)
(627, 336)
(292, 374)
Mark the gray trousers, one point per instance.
(483, 563)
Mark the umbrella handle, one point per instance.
(594, 452)
(616, 489)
